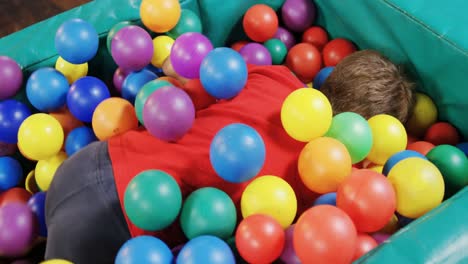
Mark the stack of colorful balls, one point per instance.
(374, 176)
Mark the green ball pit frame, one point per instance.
(428, 37)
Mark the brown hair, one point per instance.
(368, 83)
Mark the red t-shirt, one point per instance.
(258, 105)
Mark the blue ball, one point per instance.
(223, 73)
(37, 205)
(76, 41)
(207, 250)
(399, 156)
(328, 198)
(47, 89)
(134, 82)
(85, 95)
(79, 138)
(463, 147)
(11, 173)
(12, 114)
(237, 153)
(144, 249)
(321, 76)
(158, 71)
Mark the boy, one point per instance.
(84, 214)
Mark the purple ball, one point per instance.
(11, 76)
(168, 113)
(286, 37)
(298, 15)
(119, 78)
(188, 52)
(289, 254)
(256, 53)
(380, 237)
(17, 229)
(132, 48)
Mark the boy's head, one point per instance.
(367, 83)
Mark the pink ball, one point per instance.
(289, 254)
(286, 37)
(11, 77)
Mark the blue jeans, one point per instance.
(83, 214)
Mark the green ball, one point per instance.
(354, 132)
(113, 31)
(453, 165)
(188, 22)
(208, 211)
(277, 50)
(152, 200)
(144, 93)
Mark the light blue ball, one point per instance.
(144, 249)
(328, 198)
(79, 138)
(206, 250)
(134, 82)
(399, 156)
(47, 89)
(321, 76)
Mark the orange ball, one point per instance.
(112, 117)
(260, 23)
(442, 133)
(422, 147)
(324, 163)
(160, 15)
(238, 45)
(364, 244)
(305, 61)
(336, 50)
(316, 36)
(14, 195)
(172, 80)
(66, 120)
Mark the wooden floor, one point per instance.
(18, 14)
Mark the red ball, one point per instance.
(238, 45)
(325, 234)
(442, 133)
(336, 50)
(260, 23)
(365, 243)
(260, 239)
(15, 194)
(368, 198)
(422, 147)
(305, 61)
(316, 36)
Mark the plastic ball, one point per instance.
(208, 211)
(329, 225)
(132, 48)
(47, 89)
(237, 153)
(260, 239)
(389, 137)
(324, 163)
(200, 97)
(118, 79)
(144, 249)
(7, 149)
(364, 245)
(298, 15)
(144, 93)
(152, 200)
(12, 114)
(188, 52)
(288, 256)
(188, 22)
(442, 133)
(30, 183)
(306, 114)
(256, 54)
(160, 15)
(354, 132)
(423, 116)
(463, 147)
(260, 22)
(238, 45)
(327, 198)
(419, 186)
(76, 41)
(66, 120)
(85, 95)
(286, 37)
(206, 250)
(56, 261)
(391, 227)
(422, 147)
(40, 136)
(168, 113)
(336, 50)
(223, 73)
(453, 164)
(305, 61)
(11, 173)
(46, 168)
(11, 76)
(162, 49)
(79, 138)
(17, 229)
(316, 36)
(133, 83)
(37, 205)
(322, 76)
(71, 71)
(270, 195)
(399, 156)
(113, 31)
(277, 50)
(14, 195)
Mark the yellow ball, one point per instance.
(424, 115)
(30, 183)
(56, 261)
(376, 168)
(162, 48)
(40, 136)
(310, 85)
(45, 170)
(389, 137)
(71, 71)
(391, 227)
(306, 114)
(419, 186)
(272, 196)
